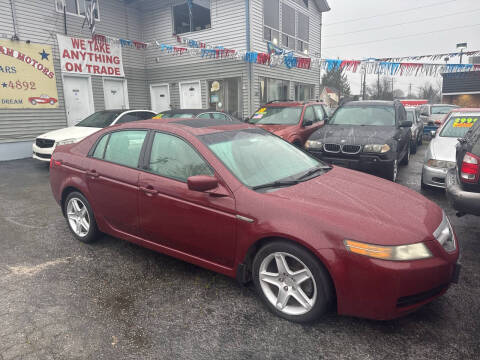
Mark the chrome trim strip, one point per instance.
(243, 218)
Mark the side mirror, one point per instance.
(307, 122)
(406, 124)
(423, 114)
(433, 133)
(202, 183)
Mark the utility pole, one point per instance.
(364, 83)
(461, 46)
(410, 90)
(392, 88)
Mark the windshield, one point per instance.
(257, 157)
(364, 115)
(457, 126)
(174, 115)
(443, 109)
(100, 119)
(277, 116)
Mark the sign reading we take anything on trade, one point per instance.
(89, 56)
(27, 76)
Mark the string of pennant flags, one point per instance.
(277, 56)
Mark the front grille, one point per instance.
(332, 148)
(417, 298)
(44, 143)
(43, 156)
(351, 149)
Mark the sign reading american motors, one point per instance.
(88, 56)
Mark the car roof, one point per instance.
(370, 102)
(192, 111)
(124, 110)
(291, 103)
(466, 110)
(195, 127)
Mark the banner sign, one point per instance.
(27, 76)
(89, 56)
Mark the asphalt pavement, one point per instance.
(62, 299)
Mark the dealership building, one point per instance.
(52, 74)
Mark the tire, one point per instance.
(315, 289)
(413, 147)
(76, 208)
(34, 102)
(406, 157)
(52, 102)
(391, 172)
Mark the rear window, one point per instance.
(442, 109)
(458, 126)
(174, 115)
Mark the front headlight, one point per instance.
(313, 144)
(441, 164)
(66, 141)
(376, 148)
(444, 235)
(397, 253)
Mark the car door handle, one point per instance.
(149, 190)
(93, 173)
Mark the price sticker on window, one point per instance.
(159, 116)
(262, 110)
(464, 122)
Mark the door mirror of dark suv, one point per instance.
(202, 183)
(406, 124)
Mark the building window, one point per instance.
(304, 92)
(77, 7)
(288, 20)
(303, 27)
(273, 89)
(271, 20)
(192, 15)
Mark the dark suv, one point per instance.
(463, 182)
(365, 135)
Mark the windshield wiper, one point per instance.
(313, 171)
(278, 183)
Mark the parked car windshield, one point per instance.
(174, 115)
(257, 157)
(277, 116)
(100, 119)
(364, 115)
(442, 109)
(457, 126)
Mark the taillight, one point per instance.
(470, 171)
(54, 163)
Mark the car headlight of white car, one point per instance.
(376, 148)
(313, 144)
(66, 142)
(434, 163)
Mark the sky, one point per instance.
(435, 26)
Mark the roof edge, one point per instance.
(322, 5)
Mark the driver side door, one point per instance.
(191, 222)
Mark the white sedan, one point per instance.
(45, 144)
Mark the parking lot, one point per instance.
(62, 299)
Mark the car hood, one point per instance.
(72, 132)
(354, 135)
(363, 207)
(276, 129)
(443, 148)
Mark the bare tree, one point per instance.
(430, 92)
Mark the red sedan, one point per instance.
(293, 121)
(238, 200)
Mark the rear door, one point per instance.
(172, 215)
(403, 133)
(112, 178)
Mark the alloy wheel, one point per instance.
(78, 217)
(287, 283)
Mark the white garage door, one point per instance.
(190, 95)
(78, 98)
(160, 96)
(115, 94)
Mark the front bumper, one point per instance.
(364, 162)
(434, 176)
(467, 202)
(383, 290)
(42, 154)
